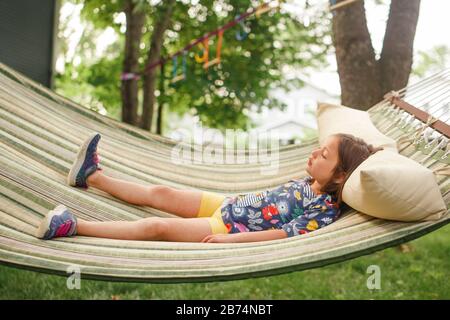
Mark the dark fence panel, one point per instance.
(27, 37)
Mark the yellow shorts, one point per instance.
(210, 206)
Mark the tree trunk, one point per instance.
(364, 79)
(161, 102)
(129, 88)
(397, 55)
(154, 54)
(357, 67)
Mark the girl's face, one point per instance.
(323, 161)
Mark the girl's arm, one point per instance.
(253, 236)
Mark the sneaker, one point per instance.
(86, 162)
(58, 222)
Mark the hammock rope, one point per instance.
(39, 135)
(412, 138)
(444, 171)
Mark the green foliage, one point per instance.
(433, 61)
(101, 13)
(249, 69)
(91, 86)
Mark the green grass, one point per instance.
(421, 273)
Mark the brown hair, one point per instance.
(352, 152)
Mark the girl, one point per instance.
(297, 207)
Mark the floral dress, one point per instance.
(293, 207)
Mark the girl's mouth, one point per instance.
(309, 162)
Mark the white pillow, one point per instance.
(390, 186)
(333, 119)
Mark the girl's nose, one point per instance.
(314, 153)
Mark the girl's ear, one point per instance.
(340, 178)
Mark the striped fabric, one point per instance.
(40, 132)
(249, 199)
(308, 191)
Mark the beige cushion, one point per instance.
(335, 118)
(387, 185)
(390, 186)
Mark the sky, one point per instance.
(433, 21)
(432, 28)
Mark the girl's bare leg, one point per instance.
(166, 229)
(183, 203)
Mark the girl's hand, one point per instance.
(219, 238)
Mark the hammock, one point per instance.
(40, 132)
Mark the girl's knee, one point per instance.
(159, 195)
(161, 190)
(155, 228)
